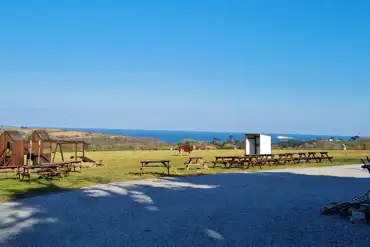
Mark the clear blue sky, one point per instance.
(260, 66)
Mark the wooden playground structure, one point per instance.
(41, 148)
(11, 149)
(37, 153)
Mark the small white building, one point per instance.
(257, 144)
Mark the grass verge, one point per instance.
(124, 166)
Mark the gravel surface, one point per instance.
(275, 208)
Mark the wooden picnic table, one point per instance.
(302, 156)
(45, 171)
(226, 160)
(155, 163)
(76, 164)
(283, 158)
(246, 162)
(67, 166)
(196, 161)
(312, 156)
(325, 155)
(270, 159)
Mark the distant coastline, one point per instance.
(98, 139)
(175, 136)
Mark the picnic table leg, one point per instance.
(327, 156)
(18, 175)
(168, 168)
(28, 175)
(259, 163)
(249, 163)
(141, 169)
(308, 160)
(205, 166)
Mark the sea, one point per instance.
(174, 136)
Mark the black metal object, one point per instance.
(342, 207)
(366, 165)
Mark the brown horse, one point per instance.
(185, 148)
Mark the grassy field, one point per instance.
(124, 165)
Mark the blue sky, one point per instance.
(251, 66)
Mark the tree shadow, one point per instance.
(231, 209)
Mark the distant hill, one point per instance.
(97, 141)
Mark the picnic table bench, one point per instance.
(246, 162)
(318, 159)
(285, 158)
(44, 171)
(75, 164)
(311, 156)
(62, 167)
(226, 160)
(196, 161)
(302, 156)
(325, 155)
(155, 163)
(269, 159)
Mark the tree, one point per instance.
(216, 141)
(231, 139)
(239, 144)
(227, 145)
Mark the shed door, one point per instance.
(252, 146)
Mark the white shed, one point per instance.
(257, 144)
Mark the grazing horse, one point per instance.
(185, 148)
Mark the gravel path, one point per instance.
(276, 208)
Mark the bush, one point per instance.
(228, 146)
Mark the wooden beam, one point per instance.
(55, 152)
(61, 151)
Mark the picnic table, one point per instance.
(247, 161)
(155, 163)
(302, 156)
(312, 156)
(75, 164)
(325, 155)
(269, 159)
(196, 161)
(44, 171)
(285, 157)
(66, 166)
(226, 160)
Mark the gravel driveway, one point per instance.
(276, 208)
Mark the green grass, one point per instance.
(124, 165)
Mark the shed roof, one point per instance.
(14, 135)
(254, 135)
(44, 135)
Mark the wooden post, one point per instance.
(55, 151)
(83, 149)
(30, 151)
(61, 151)
(39, 153)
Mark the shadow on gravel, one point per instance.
(235, 209)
